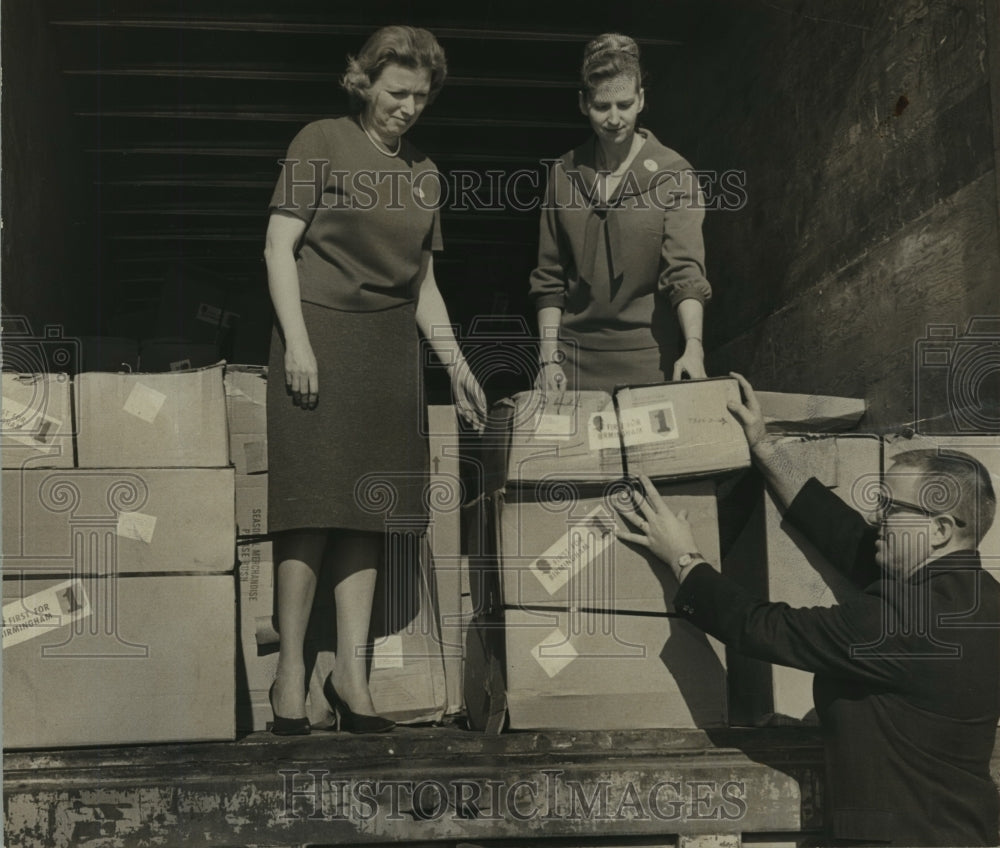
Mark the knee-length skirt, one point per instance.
(357, 460)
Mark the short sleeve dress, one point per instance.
(356, 461)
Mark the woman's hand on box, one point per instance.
(748, 413)
(551, 378)
(470, 400)
(692, 363)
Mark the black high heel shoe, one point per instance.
(351, 721)
(282, 726)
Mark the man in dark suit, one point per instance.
(907, 672)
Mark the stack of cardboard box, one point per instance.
(119, 606)
(590, 637)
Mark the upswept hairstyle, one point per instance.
(607, 56)
(952, 481)
(410, 47)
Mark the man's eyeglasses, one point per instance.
(887, 505)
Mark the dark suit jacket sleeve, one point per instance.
(839, 533)
(824, 640)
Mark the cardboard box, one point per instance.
(407, 669)
(984, 448)
(444, 536)
(774, 560)
(37, 421)
(251, 505)
(256, 664)
(118, 661)
(118, 521)
(682, 429)
(793, 413)
(538, 437)
(246, 414)
(565, 554)
(606, 671)
(152, 420)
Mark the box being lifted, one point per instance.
(681, 429)
(152, 420)
(539, 437)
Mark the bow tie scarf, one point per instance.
(602, 216)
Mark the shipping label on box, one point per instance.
(148, 659)
(152, 420)
(118, 521)
(565, 553)
(775, 560)
(577, 670)
(554, 437)
(681, 429)
(36, 421)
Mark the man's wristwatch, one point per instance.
(684, 560)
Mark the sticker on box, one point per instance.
(602, 431)
(584, 543)
(643, 425)
(554, 652)
(144, 402)
(554, 427)
(388, 652)
(137, 526)
(41, 613)
(28, 426)
(209, 314)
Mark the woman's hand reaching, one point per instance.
(470, 400)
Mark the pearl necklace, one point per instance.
(381, 148)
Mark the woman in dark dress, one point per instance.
(350, 236)
(620, 285)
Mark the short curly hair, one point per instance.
(410, 47)
(606, 57)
